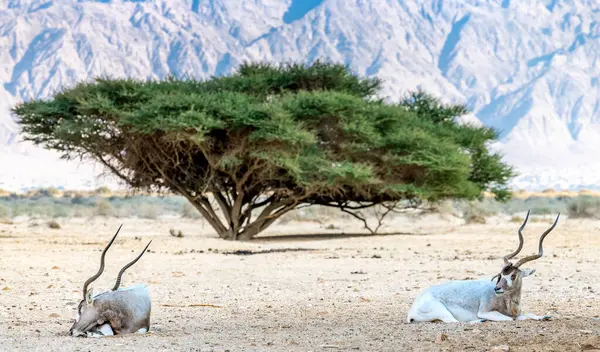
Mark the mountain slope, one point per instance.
(529, 69)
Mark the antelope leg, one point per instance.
(527, 316)
(493, 316)
(101, 331)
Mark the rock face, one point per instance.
(528, 68)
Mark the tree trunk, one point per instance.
(247, 234)
(234, 229)
(227, 235)
(249, 231)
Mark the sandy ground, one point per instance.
(348, 293)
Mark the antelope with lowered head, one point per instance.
(119, 311)
(480, 300)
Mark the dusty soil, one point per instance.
(346, 293)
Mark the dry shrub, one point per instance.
(475, 219)
(445, 208)
(103, 190)
(147, 211)
(4, 211)
(475, 213)
(53, 225)
(104, 208)
(83, 212)
(124, 212)
(517, 219)
(177, 233)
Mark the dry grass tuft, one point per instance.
(53, 224)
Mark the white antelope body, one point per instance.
(479, 300)
(119, 311)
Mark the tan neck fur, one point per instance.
(509, 303)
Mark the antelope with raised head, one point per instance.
(480, 300)
(119, 311)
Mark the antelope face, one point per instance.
(88, 317)
(510, 279)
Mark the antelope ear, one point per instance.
(527, 272)
(89, 297)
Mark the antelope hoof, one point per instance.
(94, 334)
(478, 321)
(546, 318)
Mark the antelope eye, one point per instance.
(513, 276)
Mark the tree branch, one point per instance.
(225, 207)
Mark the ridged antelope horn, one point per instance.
(93, 278)
(118, 283)
(541, 249)
(511, 255)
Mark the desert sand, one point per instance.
(343, 291)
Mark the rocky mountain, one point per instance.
(528, 68)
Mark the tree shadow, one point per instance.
(326, 236)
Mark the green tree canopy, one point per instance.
(270, 138)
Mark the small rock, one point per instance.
(591, 343)
(441, 337)
(500, 348)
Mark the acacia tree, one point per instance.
(269, 139)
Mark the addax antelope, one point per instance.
(119, 311)
(480, 300)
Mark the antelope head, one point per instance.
(509, 280)
(96, 310)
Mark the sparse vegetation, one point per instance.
(147, 207)
(49, 192)
(74, 204)
(584, 207)
(103, 190)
